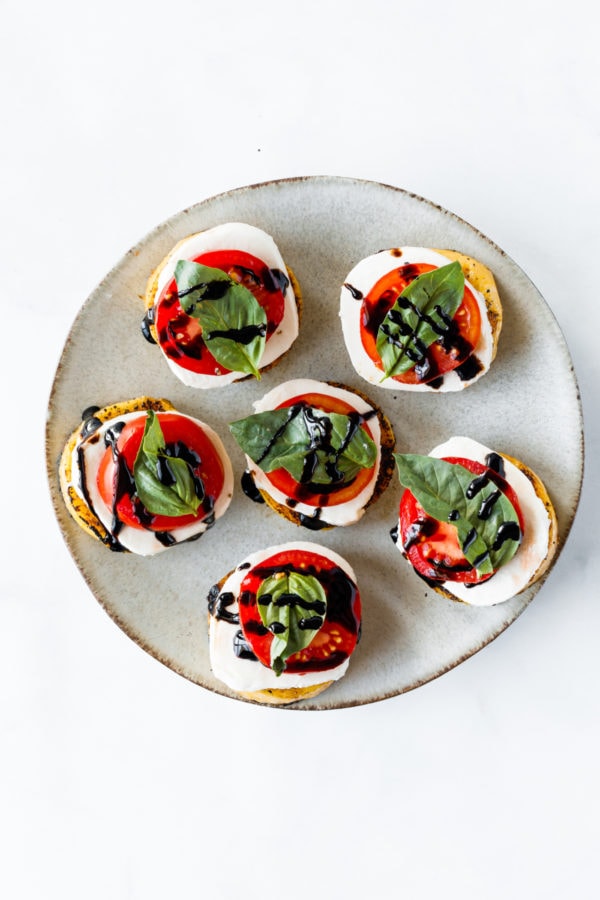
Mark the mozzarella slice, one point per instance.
(516, 574)
(335, 514)
(141, 541)
(248, 238)
(359, 283)
(247, 675)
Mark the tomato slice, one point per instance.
(339, 634)
(380, 300)
(115, 480)
(283, 481)
(432, 547)
(180, 335)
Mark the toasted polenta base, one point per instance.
(543, 495)
(281, 696)
(152, 287)
(386, 466)
(76, 505)
(482, 280)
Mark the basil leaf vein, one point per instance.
(293, 607)
(333, 446)
(234, 324)
(419, 317)
(178, 498)
(441, 489)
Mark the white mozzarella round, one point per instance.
(247, 675)
(515, 575)
(248, 238)
(358, 284)
(139, 540)
(335, 514)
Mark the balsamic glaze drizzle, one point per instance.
(244, 335)
(147, 321)
(249, 487)
(355, 293)
(496, 463)
(242, 648)
(314, 522)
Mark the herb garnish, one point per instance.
(443, 490)
(293, 607)
(421, 315)
(234, 324)
(313, 446)
(164, 483)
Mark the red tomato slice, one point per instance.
(282, 479)
(175, 428)
(339, 634)
(380, 300)
(436, 553)
(180, 335)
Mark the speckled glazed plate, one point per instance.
(527, 406)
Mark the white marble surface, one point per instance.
(119, 778)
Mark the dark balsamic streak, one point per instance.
(213, 290)
(249, 487)
(147, 321)
(90, 425)
(419, 529)
(293, 412)
(479, 559)
(221, 611)
(314, 522)
(254, 627)
(312, 623)
(241, 647)
(508, 531)
(469, 368)
(89, 411)
(476, 486)
(356, 294)
(487, 505)
(275, 280)
(496, 463)
(470, 539)
(244, 335)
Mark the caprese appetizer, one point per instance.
(475, 524)
(417, 319)
(319, 454)
(284, 623)
(140, 476)
(222, 306)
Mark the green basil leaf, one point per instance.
(234, 324)
(335, 445)
(293, 607)
(176, 499)
(442, 489)
(419, 317)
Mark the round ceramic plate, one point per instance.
(526, 406)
